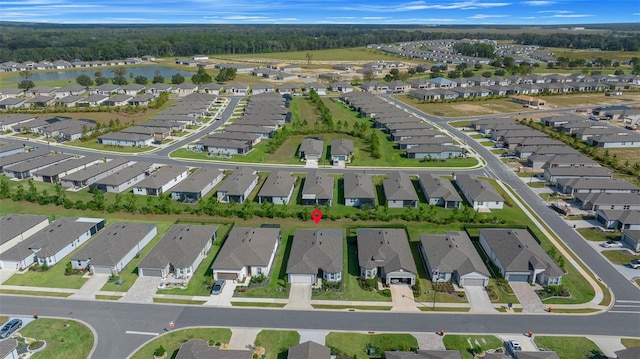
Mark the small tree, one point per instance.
(177, 79)
(160, 351)
(309, 57)
(141, 80)
(84, 80)
(26, 84)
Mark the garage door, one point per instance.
(227, 276)
(300, 279)
(148, 272)
(518, 278)
(102, 269)
(474, 282)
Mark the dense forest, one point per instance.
(21, 42)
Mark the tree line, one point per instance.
(37, 42)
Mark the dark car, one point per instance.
(10, 327)
(217, 287)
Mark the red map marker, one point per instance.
(316, 214)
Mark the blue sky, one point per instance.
(465, 12)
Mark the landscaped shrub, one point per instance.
(553, 291)
(368, 284)
(159, 351)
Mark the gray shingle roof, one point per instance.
(12, 225)
(198, 180)
(309, 350)
(61, 167)
(314, 249)
(319, 185)
(125, 174)
(385, 247)
(358, 185)
(452, 252)
(7, 346)
(518, 251)
(597, 184)
(312, 146)
(161, 177)
(247, 246)
(95, 170)
(278, 184)
(180, 246)
(341, 147)
(110, 246)
(22, 156)
(200, 349)
(424, 354)
(238, 182)
(37, 162)
(478, 190)
(579, 171)
(436, 187)
(399, 187)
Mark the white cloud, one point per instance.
(485, 16)
(636, 14)
(244, 17)
(539, 3)
(374, 18)
(422, 5)
(554, 12)
(572, 15)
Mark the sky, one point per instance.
(441, 12)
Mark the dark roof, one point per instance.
(278, 184)
(314, 249)
(579, 171)
(318, 185)
(52, 238)
(22, 156)
(238, 182)
(309, 350)
(110, 246)
(37, 162)
(180, 246)
(198, 180)
(12, 225)
(399, 187)
(341, 147)
(61, 167)
(161, 177)
(7, 346)
(247, 246)
(518, 251)
(358, 185)
(95, 170)
(434, 186)
(478, 190)
(452, 252)
(200, 349)
(125, 174)
(312, 146)
(385, 247)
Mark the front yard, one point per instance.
(358, 345)
(73, 341)
(467, 345)
(172, 341)
(620, 256)
(569, 347)
(276, 343)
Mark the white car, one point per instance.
(635, 264)
(513, 346)
(611, 244)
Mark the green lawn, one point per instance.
(460, 124)
(620, 256)
(129, 273)
(94, 145)
(597, 235)
(567, 347)
(356, 344)
(179, 301)
(257, 304)
(477, 136)
(631, 342)
(357, 307)
(173, 340)
(277, 342)
(34, 293)
(345, 54)
(72, 342)
(202, 280)
(469, 344)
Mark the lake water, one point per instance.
(146, 71)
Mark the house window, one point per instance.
(497, 203)
(480, 203)
(259, 271)
(442, 276)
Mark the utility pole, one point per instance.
(434, 279)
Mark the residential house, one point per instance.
(341, 86)
(399, 191)
(211, 88)
(632, 238)
(105, 89)
(179, 252)
(53, 173)
(40, 101)
(123, 179)
(604, 200)
(15, 158)
(224, 146)
(52, 243)
(159, 88)
(124, 139)
(161, 181)
(247, 252)
(114, 248)
(200, 349)
(309, 350)
(629, 353)
(358, 190)
(615, 140)
(15, 228)
(311, 148)
(316, 254)
(8, 149)
(277, 188)
(625, 219)
(238, 185)
(197, 185)
(89, 175)
(553, 174)
(317, 189)
(12, 103)
(439, 191)
(441, 152)
(519, 257)
(573, 186)
(479, 193)
(117, 100)
(319, 88)
(451, 257)
(341, 151)
(185, 89)
(237, 89)
(24, 169)
(71, 90)
(263, 88)
(385, 253)
(132, 89)
(92, 101)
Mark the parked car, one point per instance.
(635, 264)
(217, 287)
(10, 327)
(513, 346)
(611, 244)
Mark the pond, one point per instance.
(146, 71)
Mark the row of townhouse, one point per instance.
(11, 66)
(312, 149)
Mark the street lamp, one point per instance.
(434, 278)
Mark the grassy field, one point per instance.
(353, 54)
(71, 342)
(34, 293)
(597, 235)
(357, 307)
(276, 343)
(257, 304)
(173, 340)
(631, 342)
(590, 55)
(469, 344)
(355, 344)
(567, 347)
(620, 256)
(179, 301)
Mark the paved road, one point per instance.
(113, 319)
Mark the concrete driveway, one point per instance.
(525, 293)
(317, 336)
(299, 297)
(527, 343)
(143, 290)
(402, 298)
(223, 299)
(91, 287)
(479, 300)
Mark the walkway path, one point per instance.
(527, 297)
(91, 287)
(608, 345)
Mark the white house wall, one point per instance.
(24, 235)
(58, 256)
